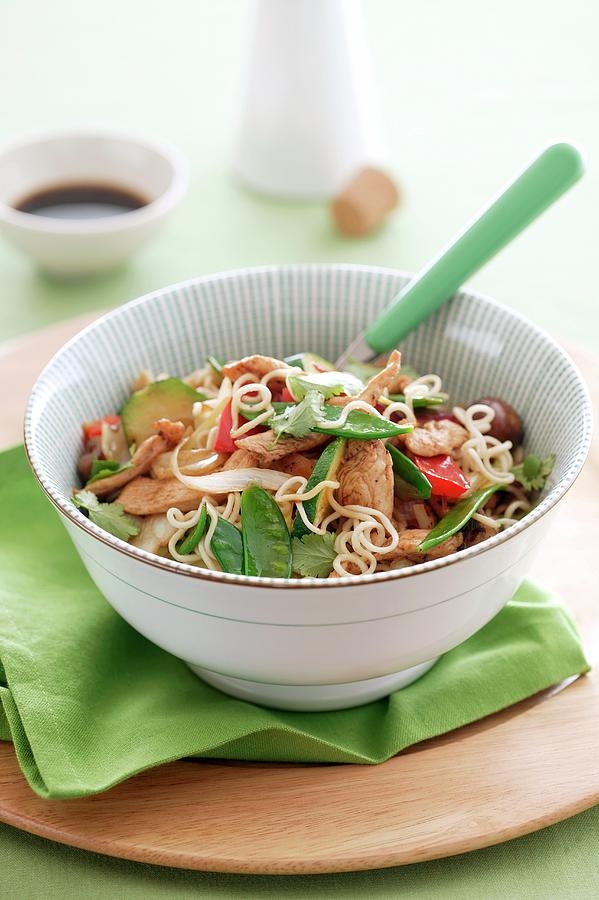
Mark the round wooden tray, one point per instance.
(512, 773)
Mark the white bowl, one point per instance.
(75, 247)
(307, 644)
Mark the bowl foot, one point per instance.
(313, 697)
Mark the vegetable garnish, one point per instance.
(313, 555)
(103, 468)
(534, 471)
(329, 384)
(227, 547)
(266, 541)
(224, 442)
(191, 540)
(419, 402)
(94, 429)
(215, 364)
(299, 419)
(455, 519)
(409, 472)
(311, 414)
(109, 516)
(445, 476)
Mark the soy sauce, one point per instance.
(81, 201)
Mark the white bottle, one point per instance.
(310, 117)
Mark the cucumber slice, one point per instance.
(310, 362)
(325, 469)
(167, 399)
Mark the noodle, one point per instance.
(483, 458)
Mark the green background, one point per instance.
(470, 92)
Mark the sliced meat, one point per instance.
(93, 449)
(142, 459)
(155, 532)
(242, 459)
(476, 532)
(436, 438)
(144, 378)
(374, 388)
(171, 431)
(412, 514)
(409, 540)
(262, 445)
(295, 464)
(399, 384)
(366, 476)
(255, 365)
(148, 497)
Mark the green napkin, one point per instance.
(88, 702)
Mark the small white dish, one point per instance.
(153, 171)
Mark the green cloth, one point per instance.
(89, 702)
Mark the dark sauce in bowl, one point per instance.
(81, 201)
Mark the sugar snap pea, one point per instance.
(359, 425)
(227, 547)
(266, 539)
(418, 402)
(455, 519)
(408, 472)
(191, 540)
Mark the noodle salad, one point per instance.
(288, 468)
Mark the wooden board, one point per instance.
(514, 772)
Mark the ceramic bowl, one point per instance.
(76, 247)
(307, 644)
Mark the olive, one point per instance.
(507, 424)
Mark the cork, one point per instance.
(364, 204)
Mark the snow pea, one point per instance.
(227, 547)
(191, 540)
(359, 425)
(266, 539)
(216, 365)
(408, 472)
(455, 519)
(418, 402)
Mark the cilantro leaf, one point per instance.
(329, 384)
(109, 516)
(301, 386)
(533, 472)
(299, 419)
(313, 554)
(102, 468)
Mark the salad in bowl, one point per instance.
(288, 468)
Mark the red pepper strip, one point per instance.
(94, 429)
(287, 396)
(445, 476)
(224, 442)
